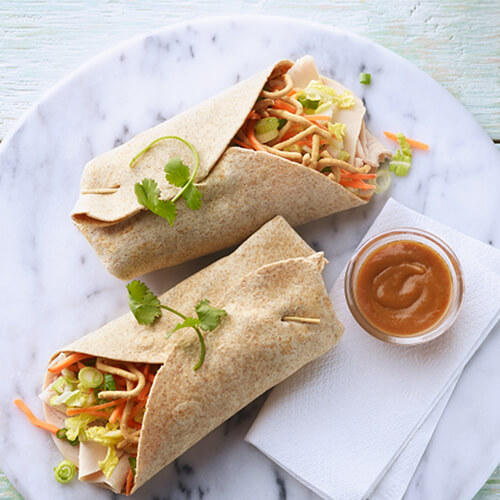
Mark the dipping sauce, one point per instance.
(403, 288)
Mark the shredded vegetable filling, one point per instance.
(102, 401)
(298, 124)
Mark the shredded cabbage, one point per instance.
(337, 129)
(81, 399)
(344, 156)
(108, 436)
(63, 384)
(316, 91)
(401, 162)
(109, 463)
(76, 425)
(63, 398)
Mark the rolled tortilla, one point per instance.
(241, 189)
(271, 276)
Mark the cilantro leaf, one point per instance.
(143, 303)
(192, 196)
(209, 316)
(148, 195)
(188, 322)
(178, 175)
(177, 172)
(167, 210)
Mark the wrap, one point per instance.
(241, 189)
(271, 276)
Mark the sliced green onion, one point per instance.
(266, 125)
(267, 129)
(64, 471)
(281, 123)
(326, 170)
(382, 181)
(61, 433)
(268, 136)
(365, 78)
(70, 376)
(90, 377)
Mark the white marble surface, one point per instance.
(55, 289)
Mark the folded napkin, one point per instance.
(356, 422)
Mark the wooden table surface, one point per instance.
(457, 42)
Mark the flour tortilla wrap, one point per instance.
(241, 189)
(274, 274)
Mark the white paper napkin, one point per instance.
(356, 421)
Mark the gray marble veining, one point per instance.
(55, 289)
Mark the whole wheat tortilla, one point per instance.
(241, 189)
(271, 275)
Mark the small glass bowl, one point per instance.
(425, 238)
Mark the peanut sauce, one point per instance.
(404, 288)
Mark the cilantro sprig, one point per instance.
(177, 173)
(146, 308)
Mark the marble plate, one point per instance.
(55, 289)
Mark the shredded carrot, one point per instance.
(144, 393)
(150, 377)
(68, 361)
(146, 370)
(76, 411)
(35, 421)
(251, 136)
(292, 92)
(242, 144)
(95, 413)
(306, 142)
(80, 365)
(116, 413)
(130, 479)
(412, 142)
(316, 123)
(134, 424)
(291, 132)
(355, 184)
(119, 381)
(279, 104)
(349, 175)
(137, 408)
(317, 117)
(253, 115)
